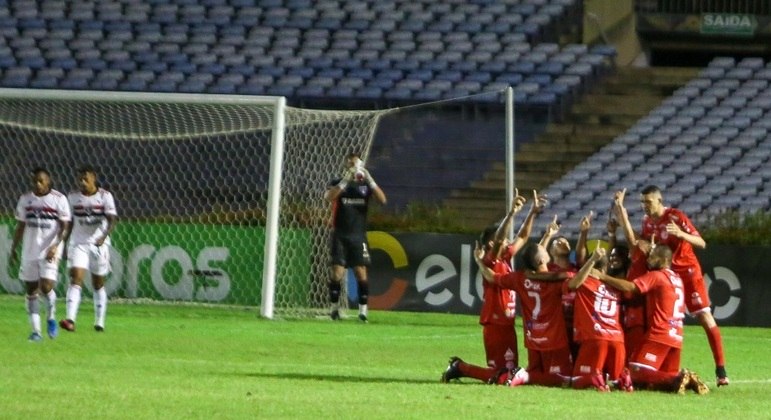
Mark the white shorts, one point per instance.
(95, 259)
(34, 270)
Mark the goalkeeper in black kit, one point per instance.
(350, 196)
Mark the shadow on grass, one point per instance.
(339, 378)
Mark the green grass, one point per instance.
(183, 362)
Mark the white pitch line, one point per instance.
(750, 381)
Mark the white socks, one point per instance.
(33, 310)
(363, 309)
(73, 301)
(74, 293)
(100, 306)
(51, 300)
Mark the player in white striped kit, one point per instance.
(88, 245)
(42, 218)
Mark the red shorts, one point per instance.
(600, 356)
(550, 361)
(499, 341)
(657, 356)
(634, 337)
(696, 293)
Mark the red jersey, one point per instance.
(634, 308)
(568, 296)
(500, 304)
(544, 325)
(665, 306)
(596, 314)
(683, 256)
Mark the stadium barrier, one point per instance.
(436, 273)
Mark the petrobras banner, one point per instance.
(437, 273)
(183, 262)
(410, 271)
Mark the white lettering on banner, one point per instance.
(728, 20)
(9, 283)
(465, 276)
(202, 263)
(142, 252)
(425, 281)
(724, 274)
(183, 287)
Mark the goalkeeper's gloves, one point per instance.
(366, 176)
(348, 176)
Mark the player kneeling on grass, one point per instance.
(597, 327)
(350, 196)
(656, 365)
(499, 304)
(88, 248)
(540, 295)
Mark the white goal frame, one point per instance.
(276, 156)
(276, 153)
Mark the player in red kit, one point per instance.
(671, 227)
(499, 304)
(656, 365)
(628, 262)
(597, 327)
(549, 361)
(559, 251)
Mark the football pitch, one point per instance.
(198, 362)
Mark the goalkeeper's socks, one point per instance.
(334, 291)
(363, 309)
(73, 301)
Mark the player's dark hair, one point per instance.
(87, 169)
(528, 256)
(488, 234)
(650, 189)
(622, 253)
(40, 170)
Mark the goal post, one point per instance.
(218, 195)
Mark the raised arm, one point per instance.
(479, 254)
(586, 269)
(503, 229)
(551, 230)
(621, 285)
(586, 224)
(623, 218)
(536, 208)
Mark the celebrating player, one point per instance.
(657, 364)
(350, 196)
(597, 327)
(671, 227)
(88, 247)
(629, 262)
(559, 251)
(546, 341)
(42, 217)
(499, 304)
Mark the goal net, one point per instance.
(191, 175)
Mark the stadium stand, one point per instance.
(227, 46)
(325, 53)
(707, 147)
